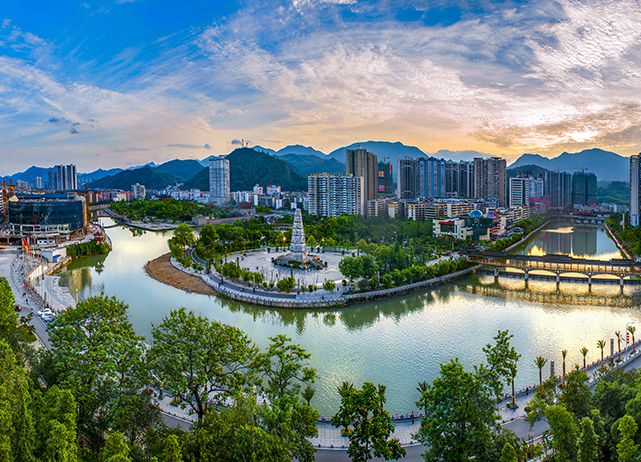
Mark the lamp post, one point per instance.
(627, 336)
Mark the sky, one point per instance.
(116, 83)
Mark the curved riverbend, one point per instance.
(398, 342)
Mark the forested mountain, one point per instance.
(185, 169)
(307, 164)
(248, 167)
(608, 166)
(145, 176)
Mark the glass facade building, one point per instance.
(46, 213)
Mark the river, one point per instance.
(397, 342)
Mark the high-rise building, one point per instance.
(583, 188)
(331, 195)
(139, 191)
(558, 188)
(635, 190)
(385, 179)
(37, 182)
(519, 192)
(490, 179)
(361, 162)
(406, 178)
(536, 187)
(219, 192)
(431, 177)
(63, 178)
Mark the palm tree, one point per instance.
(308, 394)
(601, 344)
(584, 352)
(345, 388)
(564, 353)
(540, 363)
(618, 334)
(422, 386)
(632, 330)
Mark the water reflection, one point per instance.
(397, 342)
(580, 241)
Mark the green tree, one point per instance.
(311, 241)
(172, 452)
(116, 449)
(584, 352)
(600, 344)
(200, 360)
(183, 237)
(329, 285)
(540, 362)
(369, 426)
(459, 414)
(502, 359)
(98, 356)
(588, 442)
(632, 330)
(285, 369)
(626, 448)
(508, 454)
(56, 426)
(564, 432)
(564, 353)
(618, 335)
(286, 284)
(576, 395)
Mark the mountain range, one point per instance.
(608, 166)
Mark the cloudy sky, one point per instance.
(103, 83)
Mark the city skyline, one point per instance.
(124, 83)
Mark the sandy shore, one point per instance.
(162, 270)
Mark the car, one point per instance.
(44, 312)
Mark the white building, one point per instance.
(243, 196)
(258, 190)
(139, 191)
(219, 192)
(273, 190)
(536, 187)
(519, 192)
(635, 190)
(332, 195)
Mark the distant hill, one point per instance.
(608, 166)
(185, 169)
(615, 192)
(28, 175)
(86, 178)
(248, 167)
(302, 150)
(269, 151)
(531, 170)
(145, 176)
(382, 149)
(307, 164)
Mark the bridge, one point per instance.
(558, 267)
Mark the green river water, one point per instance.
(397, 342)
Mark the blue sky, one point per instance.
(118, 83)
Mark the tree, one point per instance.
(368, 425)
(329, 285)
(116, 449)
(601, 345)
(183, 236)
(502, 359)
(584, 352)
(459, 413)
(618, 335)
(286, 284)
(588, 442)
(508, 454)
(564, 353)
(56, 426)
(172, 452)
(540, 362)
(626, 448)
(564, 432)
(284, 368)
(311, 241)
(201, 361)
(632, 330)
(544, 396)
(98, 356)
(576, 395)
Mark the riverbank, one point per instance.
(163, 271)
